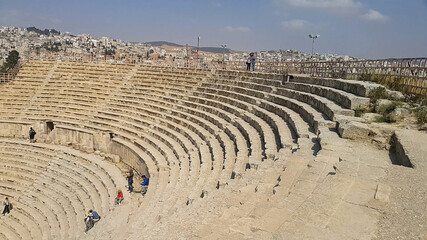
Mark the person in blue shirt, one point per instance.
(95, 215)
(91, 219)
(144, 184)
(253, 58)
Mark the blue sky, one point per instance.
(360, 28)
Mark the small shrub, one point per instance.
(388, 118)
(422, 101)
(379, 93)
(421, 115)
(388, 108)
(361, 110)
(417, 99)
(386, 111)
(366, 77)
(392, 82)
(340, 74)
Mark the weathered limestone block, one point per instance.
(115, 158)
(400, 113)
(370, 117)
(381, 103)
(345, 119)
(383, 193)
(102, 142)
(395, 95)
(409, 147)
(353, 130)
(356, 87)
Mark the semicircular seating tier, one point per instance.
(229, 154)
(52, 188)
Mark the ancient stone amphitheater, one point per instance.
(230, 155)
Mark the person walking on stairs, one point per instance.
(129, 176)
(32, 134)
(7, 206)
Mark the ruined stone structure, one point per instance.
(230, 155)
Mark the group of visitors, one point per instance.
(94, 217)
(251, 62)
(91, 219)
(144, 184)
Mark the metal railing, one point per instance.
(410, 72)
(10, 75)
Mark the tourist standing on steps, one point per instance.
(129, 176)
(144, 184)
(253, 59)
(7, 206)
(32, 134)
(248, 63)
(119, 197)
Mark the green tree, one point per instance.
(11, 60)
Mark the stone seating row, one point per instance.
(172, 71)
(348, 94)
(147, 84)
(175, 115)
(256, 123)
(193, 140)
(328, 107)
(167, 153)
(60, 213)
(93, 187)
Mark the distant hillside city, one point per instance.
(33, 40)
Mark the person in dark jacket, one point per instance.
(32, 134)
(248, 63)
(6, 204)
(129, 176)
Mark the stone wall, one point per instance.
(14, 129)
(129, 157)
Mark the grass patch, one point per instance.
(386, 111)
(379, 93)
(421, 115)
(359, 111)
(391, 82)
(417, 99)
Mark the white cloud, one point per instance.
(295, 24)
(374, 16)
(216, 3)
(237, 29)
(325, 4)
(351, 8)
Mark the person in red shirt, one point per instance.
(119, 197)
